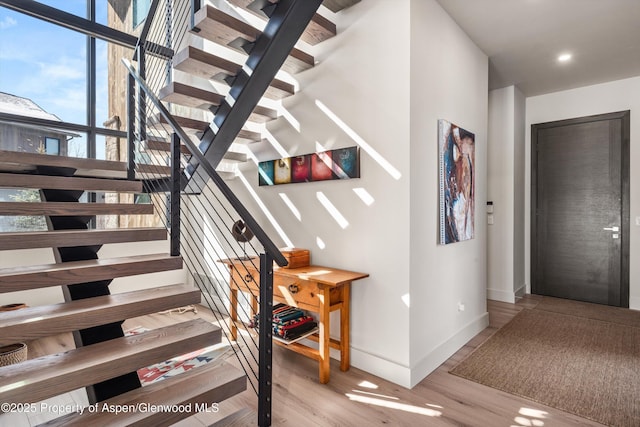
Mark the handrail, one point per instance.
(36, 121)
(147, 26)
(268, 245)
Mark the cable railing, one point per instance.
(208, 224)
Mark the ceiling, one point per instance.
(523, 39)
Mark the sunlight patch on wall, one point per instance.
(274, 142)
(211, 249)
(406, 299)
(291, 206)
(289, 118)
(266, 211)
(364, 195)
(395, 173)
(320, 243)
(333, 211)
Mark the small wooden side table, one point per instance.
(317, 289)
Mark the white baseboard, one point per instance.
(381, 367)
(500, 295)
(445, 350)
(521, 291)
(634, 303)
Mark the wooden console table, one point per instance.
(313, 288)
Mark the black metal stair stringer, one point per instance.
(114, 386)
(287, 23)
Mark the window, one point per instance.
(140, 10)
(52, 145)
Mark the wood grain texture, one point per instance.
(68, 273)
(36, 322)
(68, 238)
(48, 376)
(203, 64)
(318, 30)
(73, 208)
(156, 145)
(8, 158)
(357, 398)
(338, 5)
(190, 96)
(219, 27)
(298, 396)
(214, 382)
(15, 180)
(194, 125)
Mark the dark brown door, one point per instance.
(580, 209)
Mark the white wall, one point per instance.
(505, 238)
(598, 99)
(449, 76)
(519, 286)
(501, 149)
(362, 81)
(384, 87)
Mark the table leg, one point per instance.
(345, 352)
(233, 314)
(324, 330)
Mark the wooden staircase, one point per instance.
(104, 361)
(232, 32)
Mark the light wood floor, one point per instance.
(356, 398)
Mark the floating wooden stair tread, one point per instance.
(318, 30)
(189, 96)
(338, 5)
(198, 125)
(235, 157)
(213, 382)
(13, 161)
(186, 123)
(245, 417)
(68, 273)
(73, 208)
(17, 180)
(203, 64)
(69, 238)
(163, 145)
(37, 322)
(48, 376)
(219, 27)
(155, 170)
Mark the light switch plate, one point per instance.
(638, 220)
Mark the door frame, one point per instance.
(625, 117)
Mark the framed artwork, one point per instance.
(282, 171)
(265, 173)
(321, 166)
(301, 168)
(345, 163)
(456, 152)
(341, 163)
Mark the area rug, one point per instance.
(580, 365)
(619, 315)
(179, 364)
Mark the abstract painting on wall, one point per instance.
(341, 163)
(456, 151)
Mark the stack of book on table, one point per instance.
(290, 324)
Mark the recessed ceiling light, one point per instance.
(564, 57)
